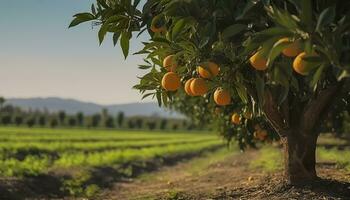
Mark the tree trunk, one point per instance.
(300, 157)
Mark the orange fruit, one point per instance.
(222, 97)
(208, 70)
(158, 24)
(248, 115)
(171, 81)
(261, 134)
(157, 30)
(170, 63)
(236, 119)
(301, 66)
(293, 49)
(258, 61)
(188, 87)
(199, 87)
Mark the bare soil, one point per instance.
(231, 178)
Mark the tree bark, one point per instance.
(299, 157)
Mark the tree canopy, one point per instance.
(281, 63)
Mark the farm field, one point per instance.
(78, 162)
(113, 164)
(254, 174)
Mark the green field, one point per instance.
(76, 153)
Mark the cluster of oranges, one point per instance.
(194, 86)
(259, 133)
(259, 61)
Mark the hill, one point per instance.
(72, 106)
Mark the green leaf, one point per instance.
(165, 98)
(276, 31)
(136, 3)
(147, 95)
(306, 12)
(312, 59)
(294, 83)
(159, 98)
(145, 66)
(80, 18)
(102, 3)
(280, 77)
(317, 76)
(343, 74)
(326, 17)
(276, 51)
(242, 92)
(233, 30)
(204, 41)
(260, 89)
(102, 32)
(124, 43)
(93, 9)
(178, 28)
(115, 38)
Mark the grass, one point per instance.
(34, 151)
(340, 157)
(196, 166)
(328, 139)
(199, 165)
(269, 160)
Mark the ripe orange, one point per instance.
(222, 97)
(236, 119)
(199, 87)
(258, 61)
(208, 70)
(188, 87)
(291, 50)
(170, 63)
(301, 66)
(171, 81)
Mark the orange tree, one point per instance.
(280, 61)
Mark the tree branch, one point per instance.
(313, 110)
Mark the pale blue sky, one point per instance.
(41, 57)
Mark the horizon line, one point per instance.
(77, 99)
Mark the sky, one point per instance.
(41, 57)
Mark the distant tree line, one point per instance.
(14, 116)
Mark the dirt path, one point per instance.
(229, 178)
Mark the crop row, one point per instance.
(33, 165)
(49, 135)
(22, 149)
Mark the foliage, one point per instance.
(228, 33)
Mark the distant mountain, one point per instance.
(72, 106)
